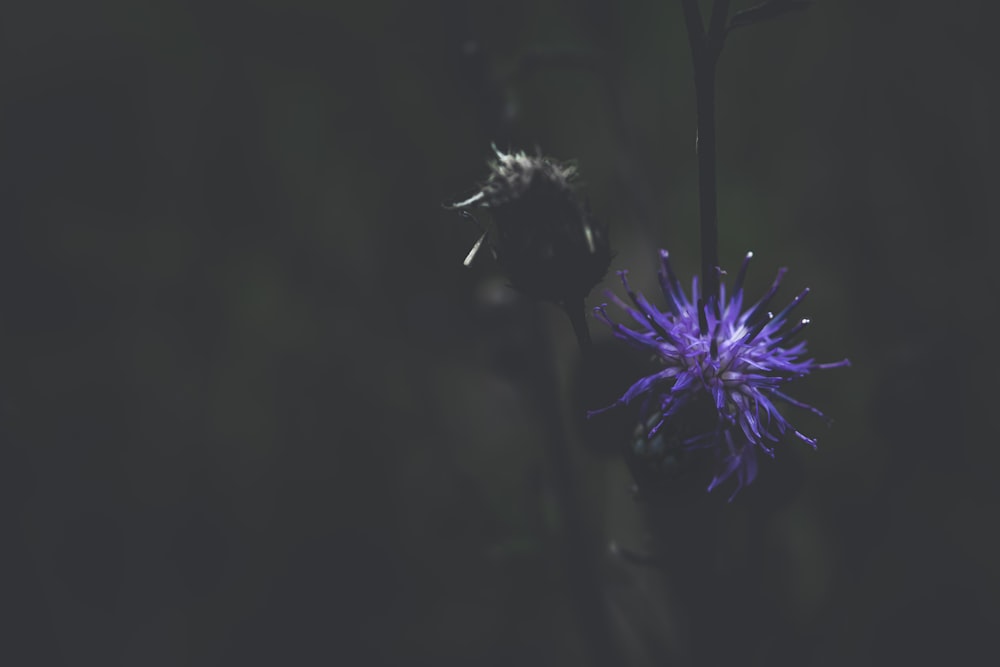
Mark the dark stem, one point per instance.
(705, 49)
(705, 95)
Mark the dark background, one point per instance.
(254, 410)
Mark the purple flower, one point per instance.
(722, 368)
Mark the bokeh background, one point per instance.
(254, 410)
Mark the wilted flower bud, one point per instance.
(544, 238)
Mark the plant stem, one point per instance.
(705, 49)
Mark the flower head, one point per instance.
(722, 368)
(545, 238)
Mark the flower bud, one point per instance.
(544, 237)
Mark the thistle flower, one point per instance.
(545, 238)
(722, 369)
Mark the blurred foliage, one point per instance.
(254, 410)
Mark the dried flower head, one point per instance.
(722, 368)
(545, 238)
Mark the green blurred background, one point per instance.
(254, 410)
